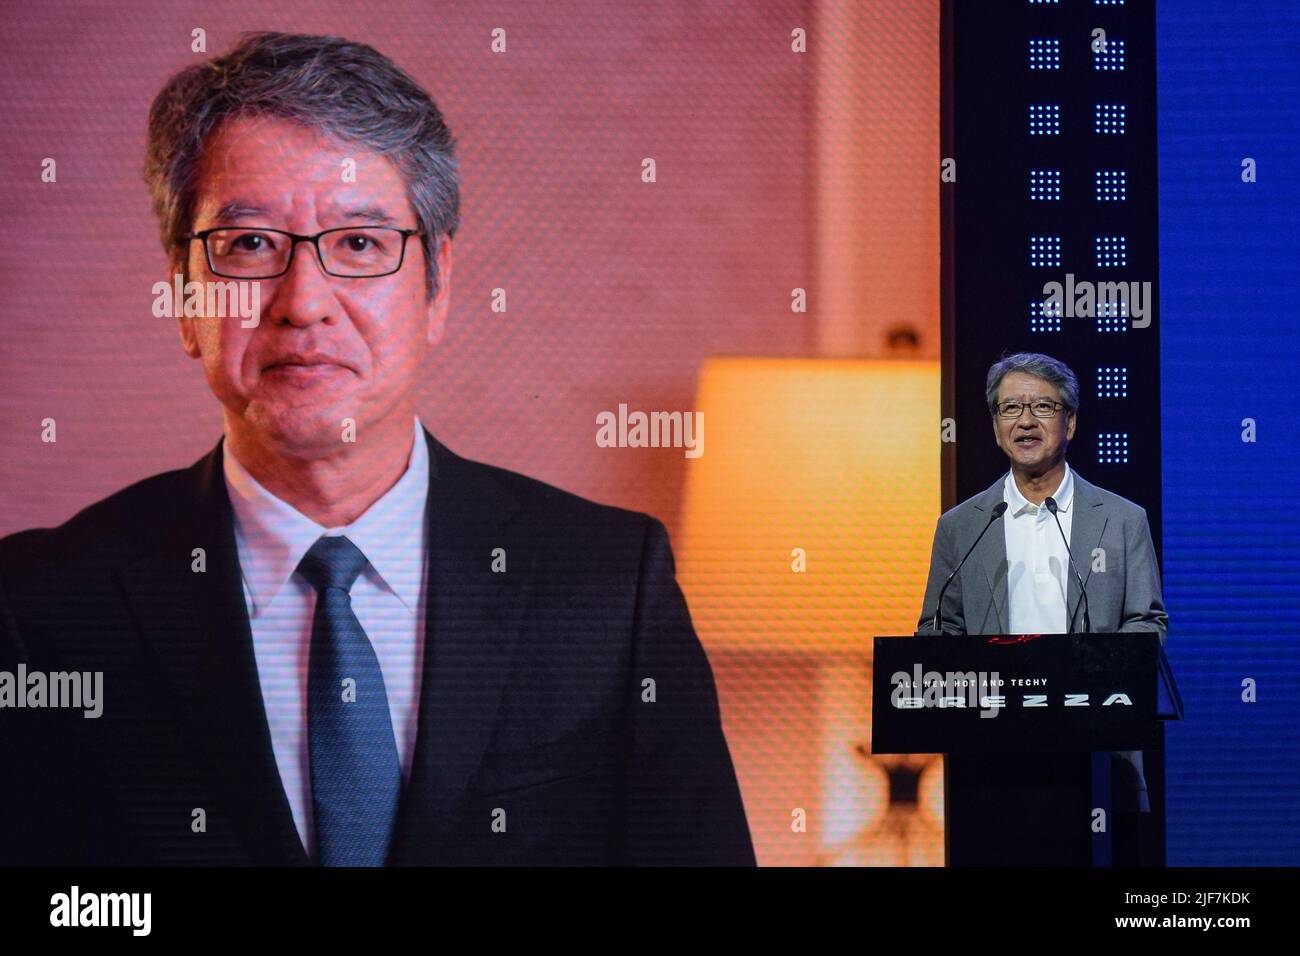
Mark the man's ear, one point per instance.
(437, 311)
(189, 340)
(1069, 430)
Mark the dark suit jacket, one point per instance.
(531, 698)
(1126, 597)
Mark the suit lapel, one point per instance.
(1086, 528)
(991, 556)
(197, 626)
(472, 622)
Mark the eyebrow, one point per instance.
(374, 214)
(237, 209)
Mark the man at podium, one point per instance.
(1070, 556)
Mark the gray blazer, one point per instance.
(1125, 597)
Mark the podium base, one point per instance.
(1027, 809)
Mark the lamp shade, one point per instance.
(808, 519)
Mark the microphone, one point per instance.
(999, 510)
(1083, 593)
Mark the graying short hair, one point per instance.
(1051, 370)
(347, 90)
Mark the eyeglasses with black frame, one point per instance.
(1040, 408)
(348, 252)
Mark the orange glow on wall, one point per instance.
(837, 459)
(830, 466)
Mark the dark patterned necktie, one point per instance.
(356, 778)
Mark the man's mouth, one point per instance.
(304, 369)
(299, 362)
(1029, 441)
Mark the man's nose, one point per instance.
(304, 294)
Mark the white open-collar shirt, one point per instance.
(388, 599)
(1038, 560)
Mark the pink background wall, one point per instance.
(616, 289)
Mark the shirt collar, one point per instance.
(1018, 504)
(272, 536)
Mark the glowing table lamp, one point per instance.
(806, 530)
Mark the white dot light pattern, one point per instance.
(1112, 251)
(1112, 381)
(1112, 448)
(1044, 316)
(1109, 58)
(1112, 317)
(1045, 252)
(1111, 185)
(1045, 54)
(1109, 119)
(1044, 119)
(1045, 184)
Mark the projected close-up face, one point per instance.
(1033, 444)
(327, 347)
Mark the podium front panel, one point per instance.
(1015, 693)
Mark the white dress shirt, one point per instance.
(1038, 561)
(388, 599)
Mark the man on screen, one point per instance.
(1018, 579)
(332, 639)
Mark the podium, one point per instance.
(1030, 727)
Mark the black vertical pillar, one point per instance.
(1049, 110)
